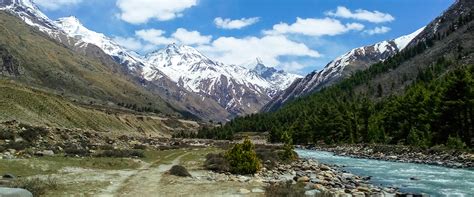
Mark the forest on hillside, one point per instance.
(436, 108)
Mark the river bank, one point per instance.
(398, 153)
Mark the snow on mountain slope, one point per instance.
(74, 28)
(239, 89)
(279, 79)
(341, 67)
(29, 12)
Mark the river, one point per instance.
(432, 180)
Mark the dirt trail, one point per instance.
(141, 182)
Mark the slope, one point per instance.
(421, 96)
(32, 58)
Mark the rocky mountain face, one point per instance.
(179, 74)
(342, 67)
(236, 88)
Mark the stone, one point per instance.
(258, 190)
(244, 191)
(8, 176)
(414, 178)
(303, 179)
(363, 189)
(45, 153)
(319, 187)
(313, 192)
(358, 194)
(324, 167)
(14, 192)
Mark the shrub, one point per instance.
(33, 133)
(122, 153)
(455, 143)
(243, 159)
(6, 134)
(20, 145)
(216, 162)
(286, 189)
(288, 154)
(76, 151)
(36, 186)
(178, 170)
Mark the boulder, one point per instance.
(178, 170)
(358, 194)
(45, 153)
(258, 190)
(14, 192)
(8, 176)
(303, 179)
(244, 191)
(324, 167)
(313, 192)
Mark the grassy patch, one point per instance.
(37, 186)
(51, 165)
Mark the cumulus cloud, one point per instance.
(134, 44)
(314, 27)
(180, 36)
(360, 14)
(55, 4)
(226, 23)
(270, 48)
(141, 11)
(378, 30)
(190, 37)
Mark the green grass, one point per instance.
(51, 165)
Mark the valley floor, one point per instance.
(130, 177)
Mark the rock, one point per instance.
(258, 190)
(392, 157)
(243, 179)
(363, 189)
(178, 170)
(303, 179)
(324, 167)
(244, 191)
(358, 194)
(313, 192)
(8, 176)
(319, 187)
(14, 192)
(414, 178)
(45, 153)
(347, 175)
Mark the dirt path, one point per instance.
(141, 182)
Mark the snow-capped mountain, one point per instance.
(180, 74)
(74, 28)
(236, 88)
(279, 79)
(343, 66)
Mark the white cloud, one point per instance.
(134, 44)
(378, 30)
(141, 11)
(180, 36)
(190, 37)
(314, 27)
(154, 36)
(227, 23)
(55, 4)
(270, 48)
(360, 14)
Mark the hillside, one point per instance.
(421, 96)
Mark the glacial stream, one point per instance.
(432, 180)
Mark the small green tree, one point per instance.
(455, 142)
(288, 154)
(243, 159)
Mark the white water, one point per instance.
(433, 180)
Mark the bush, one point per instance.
(36, 186)
(178, 170)
(216, 162)
(243, 159)
(286, 189)
(32, 134)
(76, 151)
(455, 143)
(20, 145)
(288, 154)
(6, 134)
(122, 153)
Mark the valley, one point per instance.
(138, 105)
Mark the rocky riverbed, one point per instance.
(316, 177)
(433, 156)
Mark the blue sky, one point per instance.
(296, 35)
